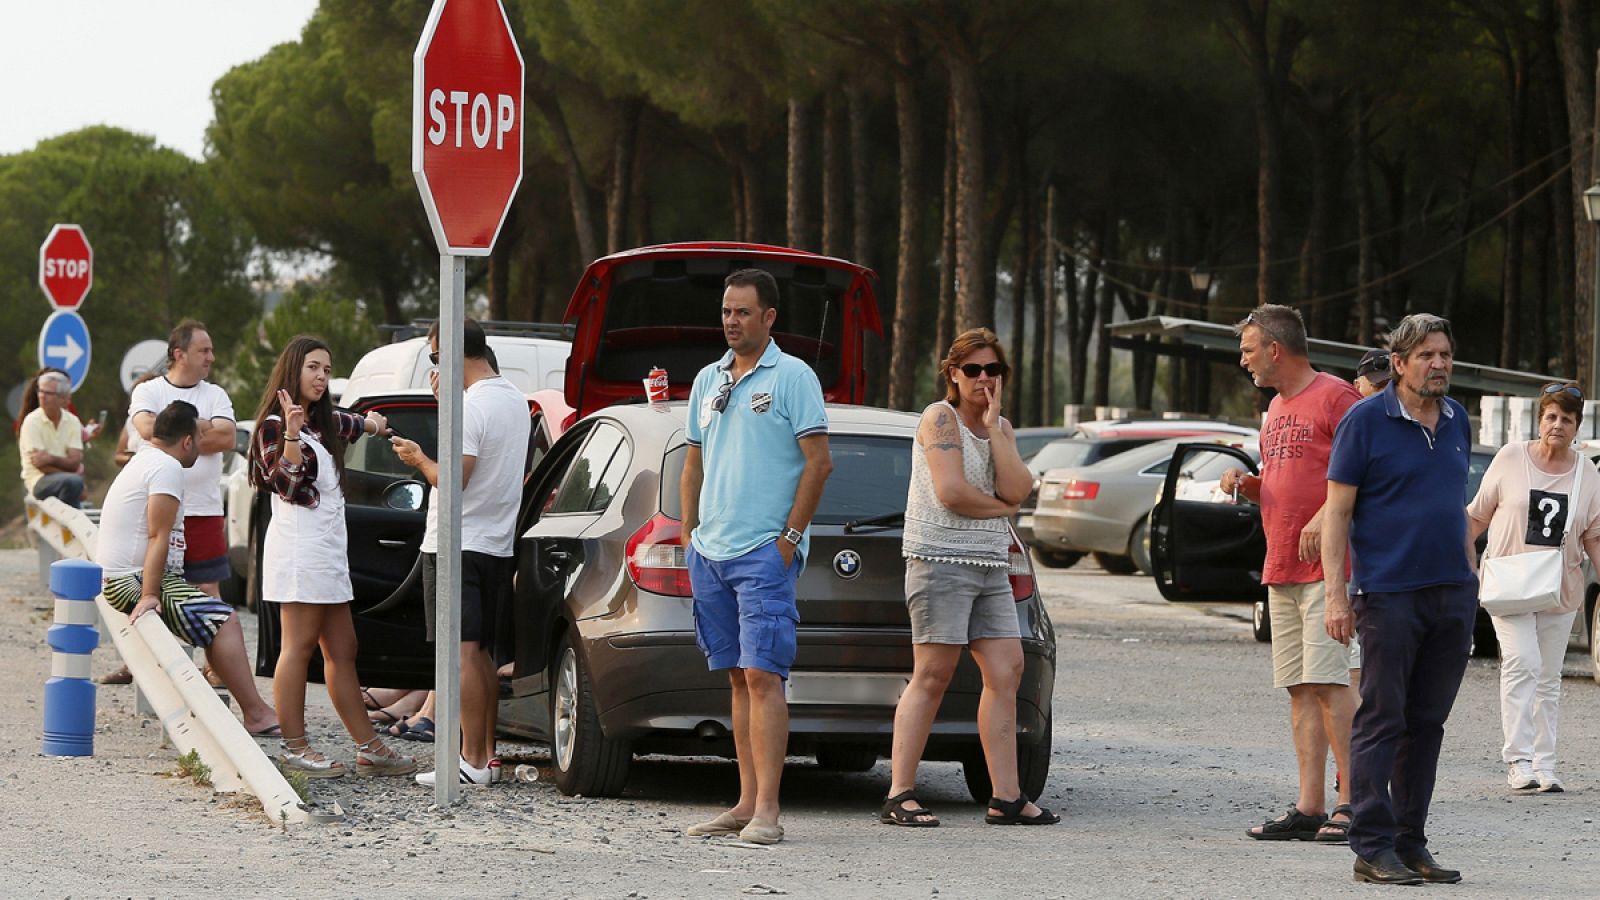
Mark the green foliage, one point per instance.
(300, 783)
(165, 248)
(310, 308)
(190, 767)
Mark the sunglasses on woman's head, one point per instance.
(1569, 389)
(993, 370)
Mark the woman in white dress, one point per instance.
(1536, 495)
(298, 454)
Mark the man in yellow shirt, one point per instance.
(50, 443)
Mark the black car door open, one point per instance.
(1204, 545)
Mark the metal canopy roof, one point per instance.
(1214, 336)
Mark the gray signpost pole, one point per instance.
(447, 621)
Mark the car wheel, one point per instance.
(1594, 641)
(847, 757)
(1139, 547)
(1116, 565)
(1033, 768)
(1058, 559)
(585, 760)
(1484, 641)
(1261, 621)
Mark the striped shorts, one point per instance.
(188, 612)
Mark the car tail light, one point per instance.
(1080, 490)
(1018, 572)
(656, 560)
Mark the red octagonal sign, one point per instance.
(66, 266)
(466, 123)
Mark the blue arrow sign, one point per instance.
(64, 345)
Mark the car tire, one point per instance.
(1594, 640)
(1261, 621)
(1485, 643)
(1139, 547)
(585, 760)
(847, 757)
(1116, 565)
(1033, 768)
(1058, 559)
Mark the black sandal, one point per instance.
(1011, 813)
(895, 814)
(1335, 831)
(1293, 825)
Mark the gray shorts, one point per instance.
(952, 603)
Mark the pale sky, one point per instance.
(143, 65)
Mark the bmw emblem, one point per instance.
(847, 564)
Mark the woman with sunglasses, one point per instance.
(967, 480)
(298, 455)
(1527, 497)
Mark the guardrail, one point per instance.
(194, 718)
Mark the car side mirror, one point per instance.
(403, 495)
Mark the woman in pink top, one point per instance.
(1524, 503)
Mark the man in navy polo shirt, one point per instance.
(1397, 489)
(752, 477)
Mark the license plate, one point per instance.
(853, 689)
(1024, 521)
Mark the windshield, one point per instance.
(665, 313)
(871, 477)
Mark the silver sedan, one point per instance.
(1104, 508)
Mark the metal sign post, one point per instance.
(466, 154)
(447, 622)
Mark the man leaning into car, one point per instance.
(754, 472)
(1296, 439)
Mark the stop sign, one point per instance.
(466, 123)
(66, 266)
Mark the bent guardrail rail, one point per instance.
(190, 712)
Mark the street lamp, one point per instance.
(1200, 279)
(1591, 205)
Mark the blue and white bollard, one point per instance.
(69, 693)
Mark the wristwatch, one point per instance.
(793, 536)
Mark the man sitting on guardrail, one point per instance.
(141, 547)
(50, 443)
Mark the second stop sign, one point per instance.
(466, 130)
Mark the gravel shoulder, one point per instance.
(1168, 745)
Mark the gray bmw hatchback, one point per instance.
(602, 634)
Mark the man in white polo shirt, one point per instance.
(189, 358)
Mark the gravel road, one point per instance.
(1169, 743)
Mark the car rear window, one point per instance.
(665, 313)
(1061, 455)
(871, 476)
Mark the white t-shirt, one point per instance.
(124, 526)
(494, 429)
(203, 482)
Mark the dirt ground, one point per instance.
(1168, 745)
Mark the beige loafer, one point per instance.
(721, 825)
(761, 833)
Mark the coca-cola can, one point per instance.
(655, 387)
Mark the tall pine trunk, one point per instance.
(908, 269)
(945, 329)
(1578, 64)
(835, 159)
(619, 189)
(972, 305)
(797, 218)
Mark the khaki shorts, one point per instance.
(1302, 652)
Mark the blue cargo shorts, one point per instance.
(744, 609)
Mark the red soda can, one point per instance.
(655, 387)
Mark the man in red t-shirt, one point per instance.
(1296, 440)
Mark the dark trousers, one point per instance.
(1414, 648)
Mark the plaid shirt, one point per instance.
(298, 483)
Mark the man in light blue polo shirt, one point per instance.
(756, 464)
(1397, 484)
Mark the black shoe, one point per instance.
(1385, 868)
(1423, 863)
